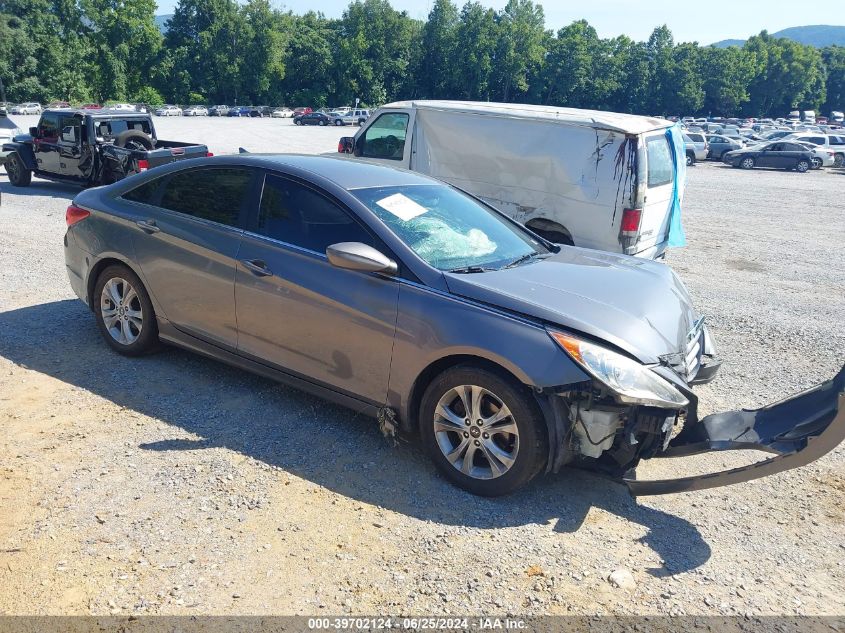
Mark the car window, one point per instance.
(697, 138)
(793, 147)
(145, 194)
(447, 228)
(661, 170)
(48, 127)
(75, 122)
(215, 194)
(774, 147)
(109, 128)
(815, 140)
(295, 214)
(385, 138)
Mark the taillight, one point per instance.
(631, 222)
(340, 147)
(143, 165)
(75, 214)
(209, 154)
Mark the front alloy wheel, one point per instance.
(747, 163)
(484, 431)
(476, 432)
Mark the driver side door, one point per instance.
(387, 139)
(69, 145)
(301, 314)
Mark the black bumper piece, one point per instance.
(797, 430)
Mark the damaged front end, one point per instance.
(629, 412)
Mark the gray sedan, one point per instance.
(404, 298)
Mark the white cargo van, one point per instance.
(595, 179)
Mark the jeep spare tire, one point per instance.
(133, 139)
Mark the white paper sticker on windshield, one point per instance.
(401, 206)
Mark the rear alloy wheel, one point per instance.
(338, 122)
(747, 163)
(124, 312)
(803, 166)
(484, 432)
(19, 175)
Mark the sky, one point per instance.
(710, 22)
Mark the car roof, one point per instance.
(599, 119)
(102, 113)
(346, 173)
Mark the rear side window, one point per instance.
(661, 170)
(211, 194)
(696, 138)
(295, 214)
(145, 194)
(109, 128)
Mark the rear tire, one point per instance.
(19, 175)
(802, 167)
(124, 312)
(500, 450)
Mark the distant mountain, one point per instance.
(161, 22)
(820, 35)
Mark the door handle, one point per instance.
(257, 266)
(148, 225)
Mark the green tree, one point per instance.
(474, 52)
(435, 75)
(726, 73)
(520, 47)
(834, 61)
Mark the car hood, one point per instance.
(637, 305)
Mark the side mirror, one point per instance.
(360, 257)
(345, 144)
(69, 134)
(33, 132)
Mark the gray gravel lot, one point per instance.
(174, 484)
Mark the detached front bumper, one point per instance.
(797, 431)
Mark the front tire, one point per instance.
(483, 431)
(19, 175)
(124, 312)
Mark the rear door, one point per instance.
(187, 238)
(659, 184)
(298, 312)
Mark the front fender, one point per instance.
(24, 150)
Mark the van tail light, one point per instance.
(631, 222)
(75, 214)
(143, 165)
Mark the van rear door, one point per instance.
(657, 180)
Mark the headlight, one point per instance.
(631, 381)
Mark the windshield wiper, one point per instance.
(525, 258)
(470, 269)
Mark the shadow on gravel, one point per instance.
(310, 438)
(39, 188)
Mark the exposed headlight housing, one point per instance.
(630, 381)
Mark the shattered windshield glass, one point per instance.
(448, 229)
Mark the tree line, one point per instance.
(224, 51)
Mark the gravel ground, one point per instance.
(177, 485)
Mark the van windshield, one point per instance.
(450, 230)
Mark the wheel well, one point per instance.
(550, 230)
(95, 273)
(438, 367)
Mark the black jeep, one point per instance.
(91, 148)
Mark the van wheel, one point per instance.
(483, 431)
(124, 312)
(19, 175)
